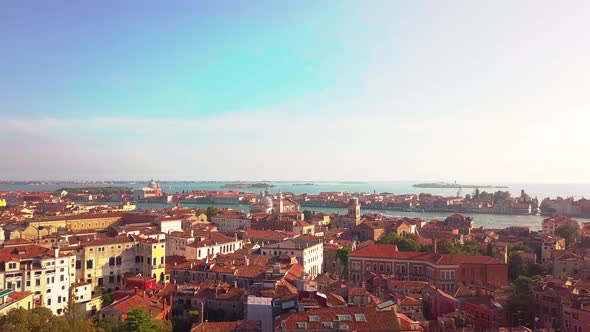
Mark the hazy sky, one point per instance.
(295, 90)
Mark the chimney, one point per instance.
(202, 312)
(434, 245)
(56, 252)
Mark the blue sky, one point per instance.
(330, 90)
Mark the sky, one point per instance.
(493, 91)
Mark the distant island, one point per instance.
(453, 185)
(352, 182)
(248, 185)
(304, 184)
(97, 190)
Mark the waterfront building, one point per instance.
(152, 190)
(551, 224)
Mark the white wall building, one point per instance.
(309, 253)
(228, 223)
(43, 271)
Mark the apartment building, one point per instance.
(103, 262)
(231, 221)
(308, 251)
(442, 270)
(44, 272)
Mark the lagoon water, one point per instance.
(481, 220)
(398, 187)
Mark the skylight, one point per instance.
(344, 318)
(360, 317)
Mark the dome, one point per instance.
(153, 184)
(267, 201)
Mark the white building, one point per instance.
(211, 245)
(176, 243)
(40, 270)
(309, 253)
(231, 222)
(169, 224)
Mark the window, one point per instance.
(360, 317)
(61, 278)
(137, 259)
(48, 301)
(162, 260)
(89, 264)
(78, 265)
(119, 260)
(38, 282)
(111, 279)
(12, 265)
(111, 261)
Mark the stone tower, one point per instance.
(354, 210)
(280, 202)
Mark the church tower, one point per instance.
(354, 210)
(280, 202)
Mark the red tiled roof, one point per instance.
(376, 251)
(374, 321)
(238, 326)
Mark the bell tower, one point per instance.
(354, 210)
(280, 203)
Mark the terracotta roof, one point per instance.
(17, 296)
(410, 301)
(109, 240)
(356, 318)
(137, 301)
(376, 251)
(238, 326)
(250, 272)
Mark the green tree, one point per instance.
(108, 324)
(402, 243)
(476, 193)
(520, 304)
(501, 195)
(42, 319)
(342, 255)
(569, 232)
(107, 298)
(307, 215)
(517, 266)
(536, 270)
(490, 250)
(140, 320)
(211, 212)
